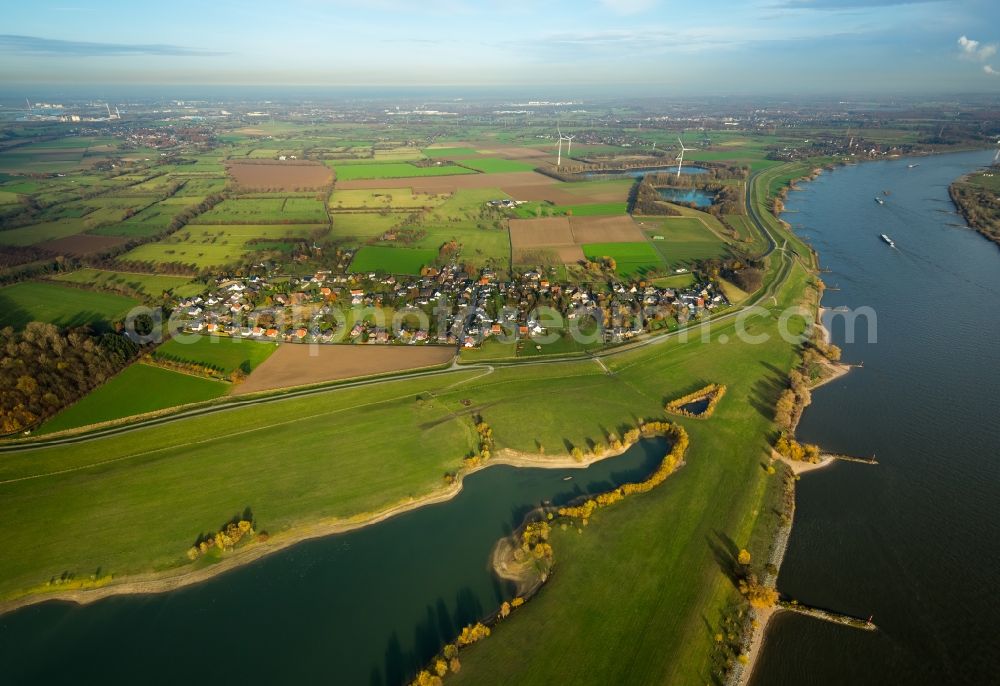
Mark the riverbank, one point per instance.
(760, 618)
(179, 577)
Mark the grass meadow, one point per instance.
(138, 389)
(37, 301)
(391, 260)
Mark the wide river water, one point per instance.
(914, 541)
(369, 607)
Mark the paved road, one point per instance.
(230, 405)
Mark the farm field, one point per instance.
(385, 198)
(632, 259)
(529, 181)
(393, 170)
(37, 301)
(281, 210)
(81, 244)
(539, 241)
(208, 245)
(450, 153)
(686, 239)
(140, 388)
(280, 176)
(219, 352)
(46, 231)
(391, 260)
(544, 209)
(363, 226)
(295, 364)
(151, 285)
(495, 165)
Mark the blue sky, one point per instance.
(676, 46)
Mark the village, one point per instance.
(444, 306)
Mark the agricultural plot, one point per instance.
(495, 165)
(392, 260)
(221, 353)
(148, 222)
(599, 191)
(464, 218)
(301, 365)
(281, 176)
(35, 301)
(394, 170)
(138, 389)
(33, 159)
(545, 209)
(82, 244)
(632, 259)
(450, 153)
(206, 246)
(364, 226)
(45, 231)
(265, 211)
(469, 181)
(683, 240)
(199, 188)
(385, 199)
(152, 285)
(565, 237)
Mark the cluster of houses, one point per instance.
(444, 306)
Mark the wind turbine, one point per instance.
(569, 144)
(569, 148)
(680, 158)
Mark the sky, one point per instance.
(665, 46)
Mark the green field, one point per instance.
(390, 170)
(45, 231)
(686, 240)
(633, 259)
(446, 153)
(36, 301)
(223, 354)
(532, 210)
(391, 260)
(362, 226)
(214, 245)
(140, 388)
(152, 285)
(496, 165)
(385, 199)
(283, 210)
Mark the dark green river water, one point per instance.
(914, 541)
(369, 607)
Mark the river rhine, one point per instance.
(914, 541)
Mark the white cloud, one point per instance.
(990, 70)
(628, 6)
(974, 50)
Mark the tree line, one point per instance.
(45, 369)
